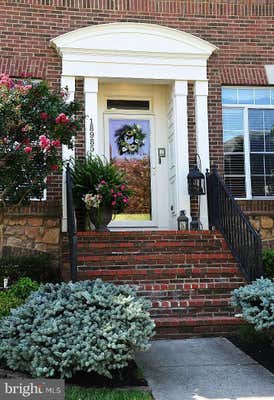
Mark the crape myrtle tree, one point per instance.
(34, 123)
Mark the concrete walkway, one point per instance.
(204, 369)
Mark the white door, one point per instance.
(130, 144)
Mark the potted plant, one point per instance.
(100, 188)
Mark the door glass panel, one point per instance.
(129, 141)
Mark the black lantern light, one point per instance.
(196, 182)
(182, 221)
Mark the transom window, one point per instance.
(248, 120)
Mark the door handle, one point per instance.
(161, 154)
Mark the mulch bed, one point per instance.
(263, 353)
(129, 377)
(126, 377)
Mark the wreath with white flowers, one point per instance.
(130, 138)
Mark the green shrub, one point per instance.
(16, 295)
(37, 267)
(84, 326)
(8, 302)
(23, 288)
(268, 262)
(257, 303)
(248, 334)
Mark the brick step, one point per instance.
(176, 328)
(92, 236)
(156, 274)
(140, 259)
(201, 291)
(192, 307)
(188, 287)
(159, 246)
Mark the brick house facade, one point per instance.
(241, 31)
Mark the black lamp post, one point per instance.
(196, 182)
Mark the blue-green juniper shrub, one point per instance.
(68, 327)
(257, 303)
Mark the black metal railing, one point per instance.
(72, 226)
(226, 215)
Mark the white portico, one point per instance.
(136, 58)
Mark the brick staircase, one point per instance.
(188, 276)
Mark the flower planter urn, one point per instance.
(100, 218)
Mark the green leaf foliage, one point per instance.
(16, 295)
(88, 175)
(257, 303)
(84, 326)
(37, 267)
(77, 393)
(268, 262)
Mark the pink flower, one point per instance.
(103, 181)
(44, 116)
(122, 187)
(119, 194)
(125, 200)
(44, 142)
(113, 203)
(56, 143)
(61, 119)
(5, 80)
(25, 128)
(5, 140)
(28, 149)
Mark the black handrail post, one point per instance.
(209, 205)
(72, 226)
(226, 215)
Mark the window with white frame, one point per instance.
(248, 120)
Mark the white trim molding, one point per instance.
(67, 154)
(181, 145)
(91, 114)
(133, 50)
(202, 140)
(269, 70)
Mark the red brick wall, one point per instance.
(242, 30)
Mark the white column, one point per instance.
(91, 113)
(67, 154)
(181, 145)
(201, 120)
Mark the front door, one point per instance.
(129, 143)
(134, 119)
